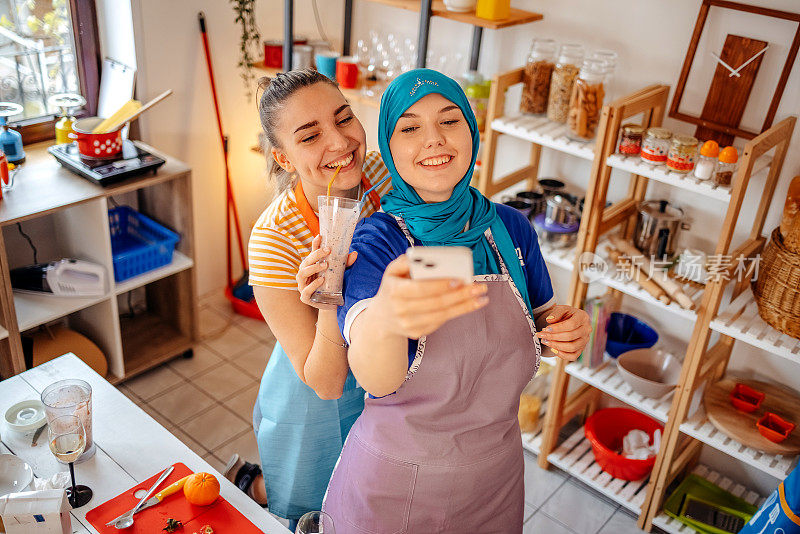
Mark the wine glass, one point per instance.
(315, 523)
(67, 441)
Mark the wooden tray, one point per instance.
(221, 515)
(741, 426)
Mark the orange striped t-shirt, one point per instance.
(282, 237)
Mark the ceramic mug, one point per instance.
(347, 72)
(326, 63)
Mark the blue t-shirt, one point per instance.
(379, 240)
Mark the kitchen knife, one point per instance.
(157, 498)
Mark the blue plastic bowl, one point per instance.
(626, 332)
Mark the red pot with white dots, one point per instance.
(96, 145)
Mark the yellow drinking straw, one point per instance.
(332, 179)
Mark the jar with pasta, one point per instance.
(564, 75)
(586, 100)
(536, 78)
(682, 153)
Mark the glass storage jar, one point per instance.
(682, 153)
(536, 78)
(609, 57)
(564, 75)
(586, 100)
(630, 139)
(707, 162)
(726, 166)
(655, 145)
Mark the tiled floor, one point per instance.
(207, 402)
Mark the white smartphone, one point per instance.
(441, 262)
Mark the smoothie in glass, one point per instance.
(337, 222)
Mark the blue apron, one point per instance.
(780, 513)
(300, 436)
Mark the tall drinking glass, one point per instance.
(337, 221)
(67, 441)
(71, 397)
(315, 523)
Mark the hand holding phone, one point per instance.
(427, 263)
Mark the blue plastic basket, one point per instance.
(138, 243)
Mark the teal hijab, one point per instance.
(443, 223)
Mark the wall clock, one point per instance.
(737, 66)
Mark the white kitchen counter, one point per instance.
(131, 445)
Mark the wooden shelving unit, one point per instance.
(686, 427)
(71, 215)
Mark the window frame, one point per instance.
(87, 57)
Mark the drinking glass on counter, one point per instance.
(67, 438)
(315, 523)
(71, 397)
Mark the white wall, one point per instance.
(651, 37)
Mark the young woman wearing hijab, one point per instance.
(438, 446)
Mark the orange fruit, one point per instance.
(201, 489)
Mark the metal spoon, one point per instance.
(126, 519)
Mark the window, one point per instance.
(41, 54)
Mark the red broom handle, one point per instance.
(230, 201)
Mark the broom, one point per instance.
(238, 291)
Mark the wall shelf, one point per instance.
(740, 320)
(517, 16)
(542, 131)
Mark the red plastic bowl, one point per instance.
(605, 430)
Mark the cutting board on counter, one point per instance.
(741, 426)
(221, 515)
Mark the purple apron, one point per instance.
(444, 453)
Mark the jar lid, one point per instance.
(593, 67)
(571, 53)
(544, 46)
(661, 210)
(710, 149)
(659, 133)
(729, 155)
(634, 129)
(684, 140)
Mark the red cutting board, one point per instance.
(221, 515)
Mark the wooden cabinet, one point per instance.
(67, 216)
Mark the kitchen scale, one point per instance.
(133, 162)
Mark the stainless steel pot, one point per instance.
(657, 228)
(561, 211)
